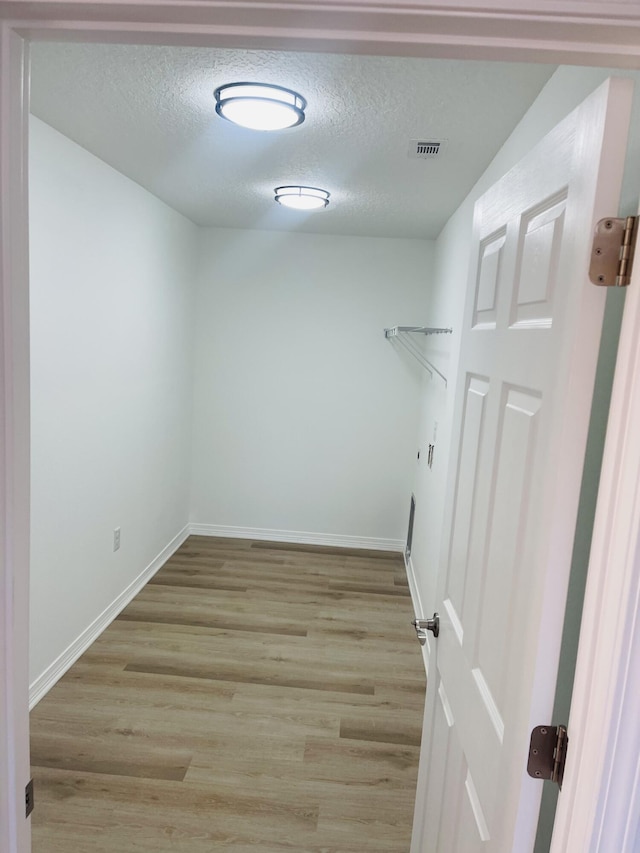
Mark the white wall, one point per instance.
(305, 416)
(112, 270)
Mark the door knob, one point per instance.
(424, 625)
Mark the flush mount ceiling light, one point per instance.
(259, 106)
(302, 198)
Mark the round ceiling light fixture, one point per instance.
(302, 198)
(260, 106)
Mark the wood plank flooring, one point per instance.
(254, 697)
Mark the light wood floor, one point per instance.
(253, 697)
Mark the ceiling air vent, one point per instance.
(425, 149)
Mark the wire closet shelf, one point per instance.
(402, 334)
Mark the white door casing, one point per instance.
(592, 32)
(14, 445)
(529, 346)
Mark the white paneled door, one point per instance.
(529, 346)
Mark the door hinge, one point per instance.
(548, 753)
(612, 252)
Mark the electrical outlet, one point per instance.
(116, 539)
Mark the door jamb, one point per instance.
(14, 443)
(599, 806)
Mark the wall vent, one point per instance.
(426, 148)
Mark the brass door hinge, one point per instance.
(548, 753)
(612, 252)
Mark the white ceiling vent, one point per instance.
(426, 148)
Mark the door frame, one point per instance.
(595, 802)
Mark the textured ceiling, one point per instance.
(149, 112)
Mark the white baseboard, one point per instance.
(297, 537)
(57, 669)
(414, 589)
